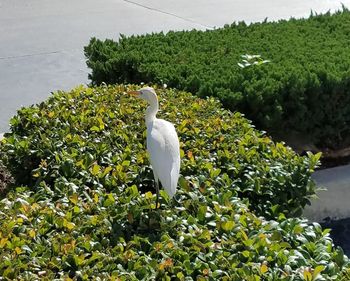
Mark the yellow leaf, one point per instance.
(35, 206)
(3, 242)
(95, 169)
(227, 225)
(76, 209)
(317, 271)
(74, 198)
(93, 220)
(18, 250)
(51, 114)
(69, 225)
(101, 123)
(80, 163)
(307, 275)
(107, 170)
(244, 235)
(148, 195)
(32, 233)
(95, 197)
(263, 268)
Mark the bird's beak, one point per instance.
(134, 93)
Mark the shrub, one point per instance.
(97, 136)
(5, 179)
(87, 212)
(304, 89)
(78, 232)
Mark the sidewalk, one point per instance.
(42, 42)
(333, 201)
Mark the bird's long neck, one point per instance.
(151, 112)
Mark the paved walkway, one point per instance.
(333, 200)
(332, 208)
(42, 41)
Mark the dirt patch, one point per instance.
(301, 144)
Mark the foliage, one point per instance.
(80, 232)
(304, 88)
(5, 179)
(88, 213)
(97, 137)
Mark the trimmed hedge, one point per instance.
(98, 136)
(304, 89)
(80, 232)
(87, 211)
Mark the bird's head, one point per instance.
(147, 93)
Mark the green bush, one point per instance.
(88, 214)
(83, 233)
(5, 179)
(304, 89)
(98, 137)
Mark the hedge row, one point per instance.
(98, 136)
(303, 89)
(87, 210)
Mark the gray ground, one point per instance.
(333, 200)
(41, 41)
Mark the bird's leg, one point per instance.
(157, 189)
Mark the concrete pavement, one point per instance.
(333, 201)
(42, 41)
(332, 208)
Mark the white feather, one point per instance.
(163, 148)
(162, 143)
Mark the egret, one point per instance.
(162, 144)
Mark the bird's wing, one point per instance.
(164, 150)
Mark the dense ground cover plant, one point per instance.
(87, 213)
(302, 89)
(81, 233)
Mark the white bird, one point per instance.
(162, 144)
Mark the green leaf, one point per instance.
(95, 169)
(317, 271)
(227, 225)
(95, 129)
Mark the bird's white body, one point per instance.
(162, 144)
(163, 148)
